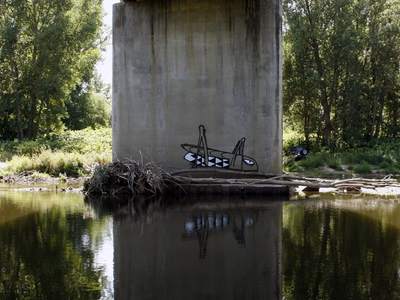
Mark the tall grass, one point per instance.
(57, 163)
(70, 153)
(80, 141)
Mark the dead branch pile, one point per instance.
(353, 184)
(125, 178)
(133, 179)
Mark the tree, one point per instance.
(341, 73)
(46, 48)
(89, 104)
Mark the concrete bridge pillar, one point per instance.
(182, 63)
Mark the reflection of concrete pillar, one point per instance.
(182, 63)
(156, 260)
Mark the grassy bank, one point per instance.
(70, 153)
(380, 158)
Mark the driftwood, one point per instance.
(137, 178)
(272, 181)
(310, 184)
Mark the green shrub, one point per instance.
(293, 167)
(374, 158)
(87, 140)
(333, 162)
(385, 165)
(87, 110)
(28, 148)
(363, 168)
(80, 141)
(313, 161)
(389, 168)
(351, 158)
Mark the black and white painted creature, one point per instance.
(201, 155)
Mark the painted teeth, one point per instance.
(212, 161)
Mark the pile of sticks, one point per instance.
(137, 178)
(128, 177)
(310, 184)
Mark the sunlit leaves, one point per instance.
(47, 48)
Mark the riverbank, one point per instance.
(35, 178)
(68, 154)
(373, 161)
(77, 153)
(37, 182)
(146, 185)
(70, 157)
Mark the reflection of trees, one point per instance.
(45, 256)
(339, 254)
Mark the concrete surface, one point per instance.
(182, 63)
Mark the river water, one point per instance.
(54, 246)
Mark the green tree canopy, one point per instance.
(46, 50)
(342, 70)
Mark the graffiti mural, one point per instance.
(201, 156)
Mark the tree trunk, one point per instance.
(325, 103)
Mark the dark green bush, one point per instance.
(363, 168)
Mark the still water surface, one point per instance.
(54, 246)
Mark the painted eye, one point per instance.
(190, 156)
(189, 226)
(248, 162)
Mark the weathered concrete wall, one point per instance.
(182, 63)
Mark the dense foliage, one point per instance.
(342, 70)
(48, 50)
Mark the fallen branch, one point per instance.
(293, 181)
(244, 181)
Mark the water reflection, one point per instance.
(53, 246)
(220, 250)
(342, 250)
(47, 246)
(200, 226)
